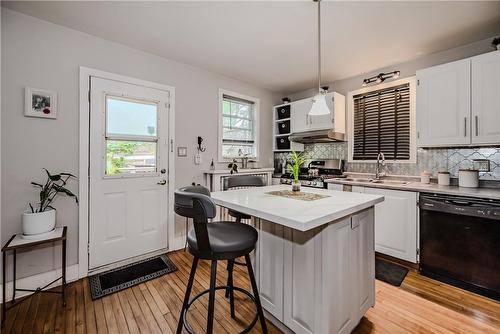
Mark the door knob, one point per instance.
(162, 182)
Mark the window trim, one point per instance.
(256, 109)
(413, 124)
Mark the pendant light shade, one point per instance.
(319, 106)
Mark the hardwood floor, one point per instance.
(420, 305)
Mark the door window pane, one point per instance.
(129, 117)
(130, 157)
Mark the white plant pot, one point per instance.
(39, 222)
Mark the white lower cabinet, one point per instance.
(270, 268)
(275, 181)
(335, 186)
(395, 223)
(325, 278)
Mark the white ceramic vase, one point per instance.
(39, 222)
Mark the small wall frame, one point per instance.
(40, 103)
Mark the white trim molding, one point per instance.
(38, 280)
(413, 124)
(256, 122)
(83, 187)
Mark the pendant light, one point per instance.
(319, 106)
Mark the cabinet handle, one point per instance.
(307, 119)
(465, 126)
(477, 125)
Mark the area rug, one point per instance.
(390, 272)
(114, 280)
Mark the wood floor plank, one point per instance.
(420, 305)
(128, 314)
(90, 322)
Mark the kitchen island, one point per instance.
(315, 258)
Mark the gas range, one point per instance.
(316, 172)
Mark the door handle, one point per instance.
(477, 125)
(465, 126)
(162, 182)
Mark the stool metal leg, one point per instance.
(211, 298)
(256, 294)
(187, 295)
(230, 289)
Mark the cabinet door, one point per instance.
(486, 98)
(302, 281)
(363, 254)
(443, 104)
(334, 186)
(396, 223)
(300, 115)
(270, 248)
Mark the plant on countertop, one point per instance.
(233, 167)
(294, 168)
(495, 42)
(55, 184)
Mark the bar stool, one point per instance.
(240, 182)
(215, 241)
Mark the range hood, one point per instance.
(317, 136)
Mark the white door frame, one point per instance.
(83, 178)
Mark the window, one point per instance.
(238, 131)
(131, 136)
(382, 120)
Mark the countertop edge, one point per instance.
(427, 188)
(299, 225)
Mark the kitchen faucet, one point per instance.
(380, 162)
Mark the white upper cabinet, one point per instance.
(302, 122)
(443, 104)
(486, 98)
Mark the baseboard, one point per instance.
(39, 280)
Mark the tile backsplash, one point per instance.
(432, 159)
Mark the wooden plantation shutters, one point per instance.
(382, 124)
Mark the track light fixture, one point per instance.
(381, 77)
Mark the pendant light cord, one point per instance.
(319, 45)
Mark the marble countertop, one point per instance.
(430, 188)
(240, 171)
(295, 213)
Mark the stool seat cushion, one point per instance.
(237, 214)
(227, 237)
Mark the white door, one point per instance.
(128, 171)
(443, 104)
(396, 223)
(486, 98)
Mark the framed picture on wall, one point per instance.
(40, 103)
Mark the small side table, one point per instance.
(17, 242)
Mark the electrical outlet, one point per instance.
(197, 158)
(482, 165)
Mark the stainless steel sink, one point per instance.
(352, 179)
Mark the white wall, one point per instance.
(407, 69)
(40, 54)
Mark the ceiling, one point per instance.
(273, 44)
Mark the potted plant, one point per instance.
(496, 43)
(41, 217)
(294, 169)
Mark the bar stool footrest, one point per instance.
(235, 288)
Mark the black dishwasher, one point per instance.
(460, 242)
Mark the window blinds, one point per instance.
(382, 124)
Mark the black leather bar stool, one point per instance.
(215, 241)
(239, 182)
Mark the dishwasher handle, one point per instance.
(459, 207)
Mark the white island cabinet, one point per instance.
(315, 260)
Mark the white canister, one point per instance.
(444, 178)
(425, 177)
(468, 178)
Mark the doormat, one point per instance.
(124, 277)
(389, 272)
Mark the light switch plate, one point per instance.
(182, 151)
